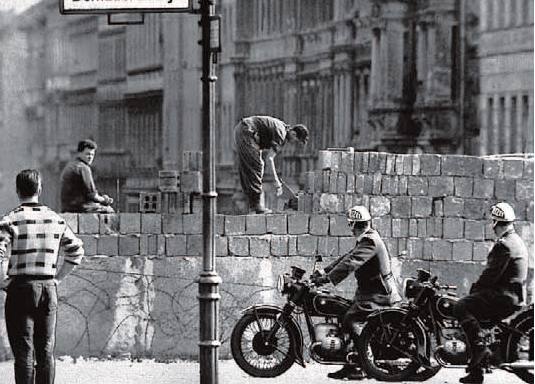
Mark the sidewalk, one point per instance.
(150, 372)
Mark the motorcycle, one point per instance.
(268, 339)
(395, 342)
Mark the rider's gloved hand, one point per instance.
(320, 280)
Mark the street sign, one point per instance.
(120, 6)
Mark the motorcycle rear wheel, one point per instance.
(521, 348)
(384, 361)
(257, 356)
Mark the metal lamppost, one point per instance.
(209, 280)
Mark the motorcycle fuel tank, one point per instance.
(445, 306)
(330, 305)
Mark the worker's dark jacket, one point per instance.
(507, 267)
(370, 262)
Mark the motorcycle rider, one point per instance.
(370, 262)
(497, 292)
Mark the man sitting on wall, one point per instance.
(78, 191)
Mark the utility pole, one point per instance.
(209, 280)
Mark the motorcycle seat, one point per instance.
(489, 323)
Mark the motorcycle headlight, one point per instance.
(410, 288)
(281, 283)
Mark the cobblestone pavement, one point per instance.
(150, 372)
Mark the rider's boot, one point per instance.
(475, 376)
(348, 371)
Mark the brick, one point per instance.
(413, 228)
(440, 186)
(388, 186)
(407, 164)
(319, 225)
(434, 227)
(415, 248)
(453, 228)
(108, 245)
(108, 223)
(483, 188)
(277, 224)
(347, 161)
(88, 223)
(462, 250)
(399, 165)
(528, 170)
(403, 185)
(422, 227)
(376, 187)
(259, 246)
(330, 203)
(430, 164)
(438, 207)
(513, 169)
(359, 184)
(453, 165)
(176, 245)
(489, 232)
(475, 209)
(492, 169)
(383, 225)
(390, 164)
(172, 223)
(368, 185)
(309, 181)
(427, 253)
(524, 190)
(298, 224)
(401, 207)
(338, 226)
(383, 156)
(326, 181)
(324, 159)
(373, 162)
(318, 181)
(357, 162)
(453, 206)
(307, 245)
(400, 227)
(392, 246)
(279, 245)
(71, 219)
(255, 224)
(191, 182)
(350, 186)
(417, 186)
(442, 250)
(346, 244)
(234, 225)
(90, 244)
(402, 247)
(518, 206)
(219, 224)
(333, 182)
(474, 230)
(336, 160)
(415, 165)
(129, 245)
(463, 186)
(292, 246)
(151, 223)
(155, 244)
(481, 251)
(341, 184)
(328, 246)
(379, 206)
(421, 206)
(221, 245)
(364, 162)
(194, 245)
(192, 224)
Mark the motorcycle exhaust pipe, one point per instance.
(521, 364)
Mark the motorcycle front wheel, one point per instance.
(257, 354)
(521, 349)
(388, 350)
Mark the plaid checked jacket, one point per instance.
(36, 233)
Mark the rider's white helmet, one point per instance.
(358, 213)
(502, 212)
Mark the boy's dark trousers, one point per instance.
(31, 309)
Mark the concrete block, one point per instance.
(359, 184)
(192, 224)
(453, 206)
(108, 245)
(307, 245)
(151, 223)
(442, 250)
(309, 181)
(529, 211)
(130, 222)
(524, 190)
(328, 246)
(428, 249)
(318, 181)
(475, 209)
(341, 183)
(219, 224)
(326, 181)
(463, 186)
(368, 185)
(259, 246)
(528, 170)
(383, 225)
(493, 169)
(383, 156)
(489, 232)
(474, 230)
(357, 162)
(401, 206)
(454, 165)
(390, 164)
(346, 244)
(422, 228)
(338, 226)
(440, 186)
(350, 185)
(194, 245)
(403, 185)
(453, 228)
(71, 219)
(330, 203)
(376, 186)
(277, 224)
(336, 160)
(415, 248)
(172, 223)
(519, 207)
(364, 162)
(191, 182)
(176, 245)
(462, 250)
(407, 164)
(399, 164)
(298, 224)
(129, 245)
(90, 244)
(483, 188)
(392, 246)
(389, 185)
(413, 227)
(88, 223)
(279, 245)
(417, 186)
(421, 206)
(221, 245)
(373, 162)
(434, 227)
(255, 225)
(430, 165)
(379, 206)
(324, 159)
(234, 225)
(333, 182)
(347, 165)
(438, 207)
(319, 225)
(292, 246)
(400, 228)
(402, 247)
(513, 169)
(481, 250)
(155, 245)
(415, 165)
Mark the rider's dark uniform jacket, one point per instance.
(370, 262)
(507, 267)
